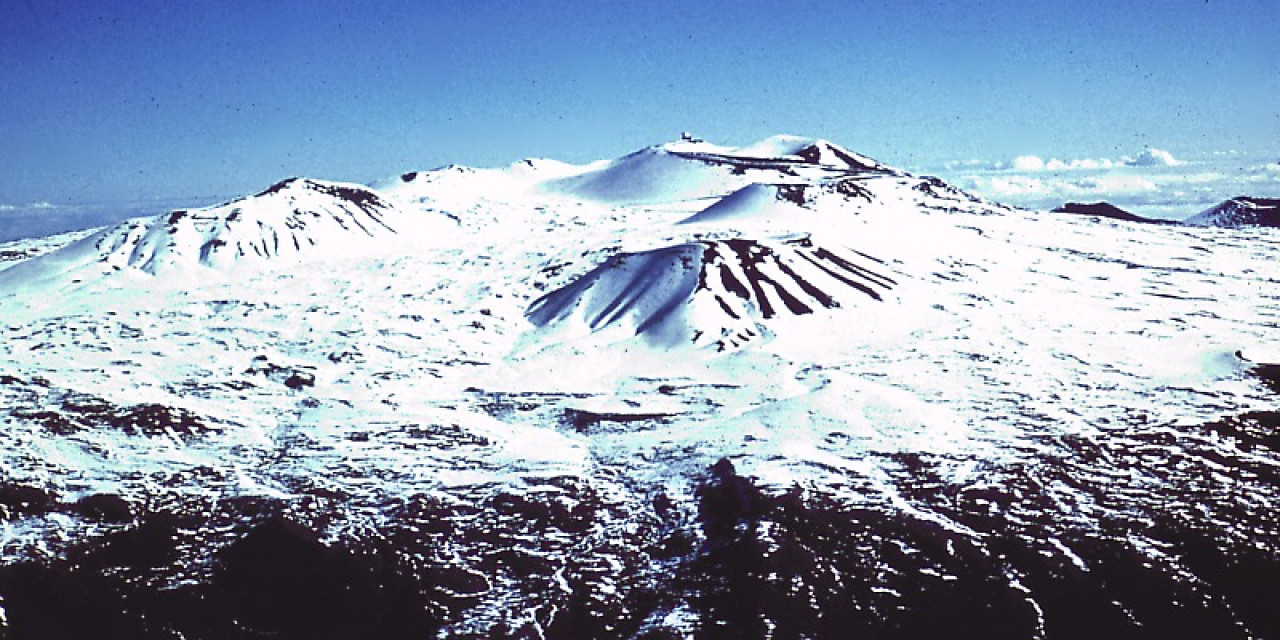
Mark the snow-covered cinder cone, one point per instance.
(722, 294)
(1239, 212)
(291, 219)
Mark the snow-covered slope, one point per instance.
(777, 390)
(781, 203)
(1239, 212)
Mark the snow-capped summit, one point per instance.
(692, 168)
(1242, 211)
(813, 151)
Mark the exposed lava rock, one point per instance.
(938, 188)
(367, 200)
(104, 507)
(805, 565)
(1106, 210)
(155, 419)
(850, 188)
(18, 500)
(1269, 374)
(10, 255)
(78, 412)
(727, 503)
(584, 421)
(793, 193)
(96, 593)
(291, 377)
(279, 580)
(565, 562)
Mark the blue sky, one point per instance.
(151, 99)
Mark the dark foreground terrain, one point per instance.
(1149, 532)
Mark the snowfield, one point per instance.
(781, 390)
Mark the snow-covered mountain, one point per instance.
(1239, 212)
(295, 219)
(776, 390)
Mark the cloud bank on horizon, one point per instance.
(1152, 183)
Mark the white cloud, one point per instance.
(1020, 187)
(1154, 183)
(28, 206)
(1013, 185)
(968, 165)
(1032, 163)
(1154, 158)
(1203, 177)
(1113, 183)
(1027, 163)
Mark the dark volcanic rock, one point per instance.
(1105, 210)
(104, 507)
(291, 377)
(155, 419)
(584, 421)
(18, 500)
(281, 581)
(727, 503)
(149, 545)
(88, 594)
(277, 581)
(78, 412)
(806, 565)
(1269, 374)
